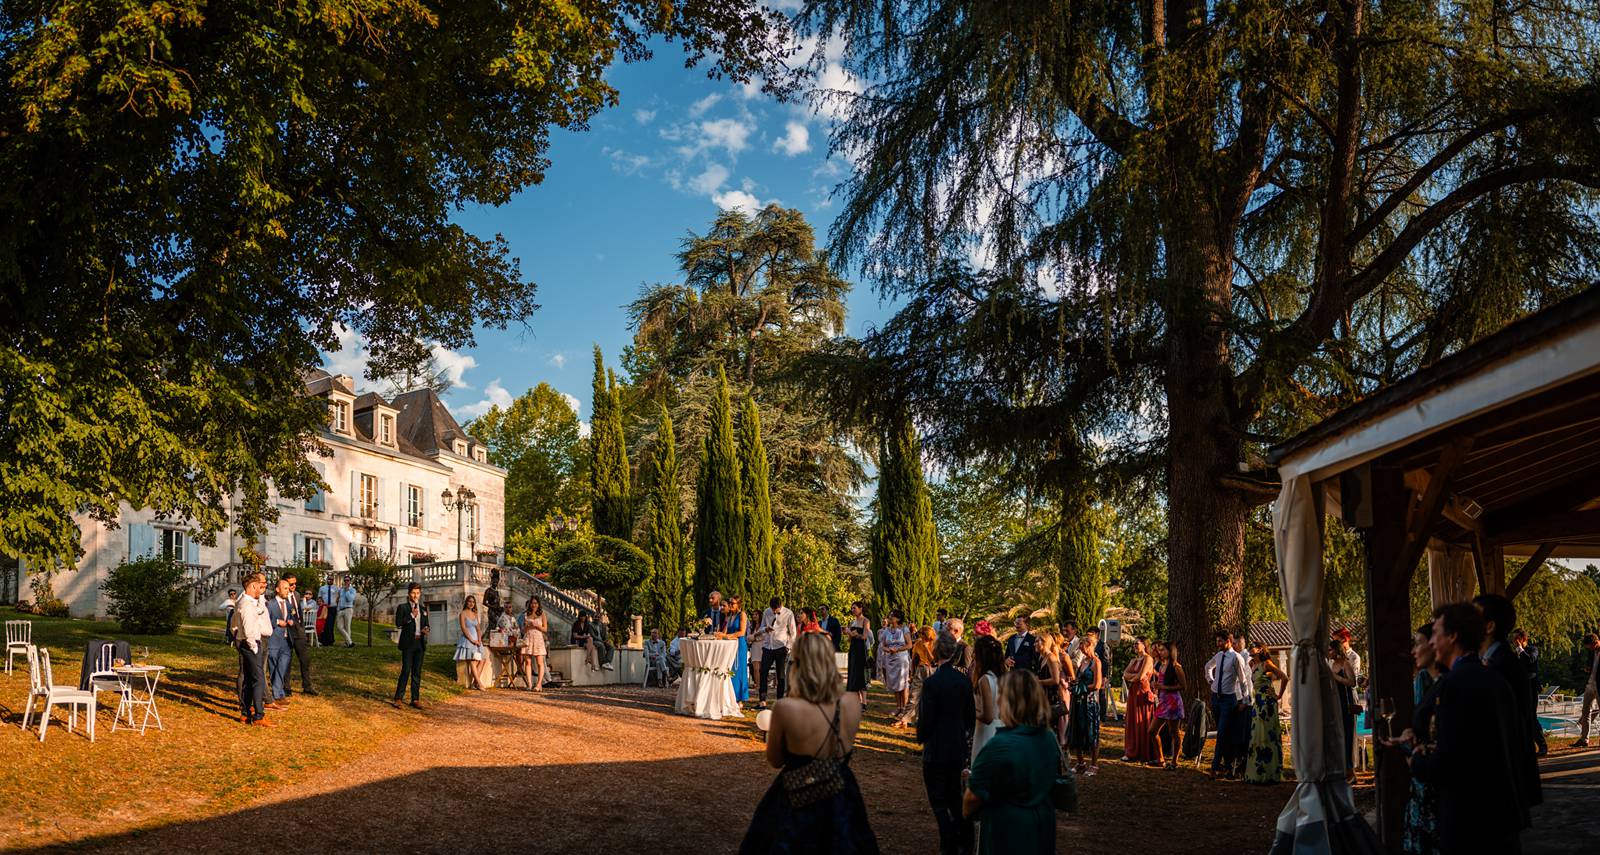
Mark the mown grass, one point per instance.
(205, 761)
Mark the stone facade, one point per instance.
(387, 468)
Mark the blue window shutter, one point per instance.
(299, 549)
(192, 550)
(141, 541)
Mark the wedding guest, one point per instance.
(1008, 791)
(894, 643)
(814, 727)
(507, 620)
(281, 610)
(347, 610)
(939, 617)
(328, 596)
(1420, 835)
(228, 604)
(963, 658)
(598, 627)
(1071, 637)
(988, 664)
(777, 633)
(675, 652)
(1528, 657)
(583, 636)
(860, 630)
(1083, 732)
(830, 624)
(946, 718)
(713, 617)
(1472, 762)
(1591, 688)
(1264, 760)
(299, 644)
(1102, 653)
(922, 664)
(734, 625)
(655, 653)
(254, 627)
(1137, 744)
(411, 619)
(469, 647)
(1169, 704)
(1226, 674)
(1499, 618)
(534, 626)
(309, 608)
(1054, 681)
(808, 621)
(754, 661)
(1019, 649)
(1345, 664)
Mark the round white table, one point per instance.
(706, 690)
(135, 695)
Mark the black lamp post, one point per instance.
(463, 501)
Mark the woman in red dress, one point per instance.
(1141, 713)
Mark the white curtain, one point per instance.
(1320, 817)
(1452, 574)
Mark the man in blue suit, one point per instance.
(714, 614)
(281, 611)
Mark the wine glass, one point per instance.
(1386, 712)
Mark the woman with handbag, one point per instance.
(814, 805)
(1019, 780)
(1047, 667)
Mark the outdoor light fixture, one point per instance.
(461, 501)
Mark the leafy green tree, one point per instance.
(664, 540)
(533, 548)
(611, 567)
(608, 465)
(765, 574)
(248, 178)
(148, 596)
(1081, 580)
(375, 578)
(904, 543)
(720, 557)
(537, 441)
(982, 527)
(811, 574)
(756, 297)
(1238, 216)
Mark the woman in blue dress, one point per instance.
(735, 628)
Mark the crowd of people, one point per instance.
(269, 631)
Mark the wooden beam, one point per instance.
(1535, 561)
(1480, 560)
(1426, 512)
(1559, 498)
(1388, 626)
(1557, 527)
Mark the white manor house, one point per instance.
(391, 465)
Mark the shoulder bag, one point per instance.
(820, 778)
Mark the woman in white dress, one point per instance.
(469, 647)
(895, 642)
(988, 663)
(534, 625)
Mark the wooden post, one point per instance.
(1389, 636)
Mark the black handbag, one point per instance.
(1064, 789)
(819, 779)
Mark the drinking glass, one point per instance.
(1386, 711)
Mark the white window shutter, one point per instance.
(141, 541)
(355, 493)
(191, 549)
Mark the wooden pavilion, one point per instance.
(1491, 452)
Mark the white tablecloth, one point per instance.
(706, 690)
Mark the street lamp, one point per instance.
(464, 500)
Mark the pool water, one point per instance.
(1545, 722)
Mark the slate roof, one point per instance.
(425, 423)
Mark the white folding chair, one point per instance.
(43, 687)
(19, 637)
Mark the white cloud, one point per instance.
(835, 92)
(730, 135)
(796, 139)
(494, 395)
(738, 199)
(700, 107)
(351, 357)
(644, 117)
(559, 360)
(624, 162)
(572, 401)
(710, 181)
(749, 90)
(454, 365)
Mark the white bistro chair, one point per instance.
(19, 637)
(43, 688)
(103, 679)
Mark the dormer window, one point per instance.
(478, 455)
(386, 430)
(341, 417)
(461, 448)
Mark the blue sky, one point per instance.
(615, 205)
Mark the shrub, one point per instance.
(149, 596)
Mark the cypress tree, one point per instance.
(904, 547)
(1081, 582)
(719, 534)
(663, 535)
(764, 577)
(608, 472)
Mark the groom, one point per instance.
(714, 614)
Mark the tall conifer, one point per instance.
(905, 547)
(664, 541)
(765, 575)
(719, 534)
(608, 472)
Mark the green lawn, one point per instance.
(206, 760)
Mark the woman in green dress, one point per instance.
(1008, 791)
(1264, 762)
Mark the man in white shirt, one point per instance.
(1069, 630)
(253, 628)
(777, 632)
(347, 610)
(1225, 672)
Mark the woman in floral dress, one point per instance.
(1264, 762)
